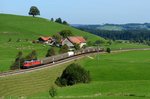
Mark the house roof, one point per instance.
(77, 39)
(45, 38)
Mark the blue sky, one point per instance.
(84, 11)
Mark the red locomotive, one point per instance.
(32, 63)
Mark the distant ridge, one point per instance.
(116, 27)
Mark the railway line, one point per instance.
(73, 58)
(21, 71)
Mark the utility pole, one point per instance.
(53, 61)
(19, 63)
(97, 52)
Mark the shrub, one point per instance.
(52, 91)
(9, 40)
(64, 49)
(50, 52)
(32, 55)
(76, 46)
(65, 33)
(73, 74)
(57, 38)
(89, 43)
(18, 61)
(108, 50)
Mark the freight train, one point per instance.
(53, 59)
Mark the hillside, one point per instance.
(114, 76)
(26, 29)
(116, 27)
(139, 33)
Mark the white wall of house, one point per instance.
(68, 43)
(82, 44)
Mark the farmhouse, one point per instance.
(46, 40)
(70, 41)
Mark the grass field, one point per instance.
(111, 28)
(116, 46)
(123, 75)
(28, 29)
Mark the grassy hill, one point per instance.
(123, 75)
(26, 29)
(23, 27)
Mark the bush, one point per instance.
(65, 33)
(9, 40)
(18, 61)
(89, 43)
(32, 55)
(50, 52)
(76, 46)
(64, 49)
(52, 91)
(73, 74)
(108, 50)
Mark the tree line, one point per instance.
(35, 11)
(140, 36)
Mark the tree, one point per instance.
(76, 46)
(52, 19)
(64, 49)
(52, 91)
(89, 43)
(34, 11)
(50, 52)
(73, 74)
(18, 61)
(65, 23)
(58, 20)
(57, 38)
(32, 55)
(108, 50)
(65, 33)
(98, 42)
(110, 42)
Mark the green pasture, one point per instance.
(123, 75)
(23, 27)
(26, 29)
(116, 46)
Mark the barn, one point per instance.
(70, 41)
(46, 40)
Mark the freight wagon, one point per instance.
(53, 59)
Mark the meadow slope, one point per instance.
(123, 75)
(26, 29)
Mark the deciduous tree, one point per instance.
(64, 49)
(73, 74)
(34, 11)
(50, 52)
(65, 33)
(18, 61)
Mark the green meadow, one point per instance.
(26, 29)
(123, 75)
(116, 46)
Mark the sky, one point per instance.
(83, 11)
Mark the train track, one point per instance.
(22, 71)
